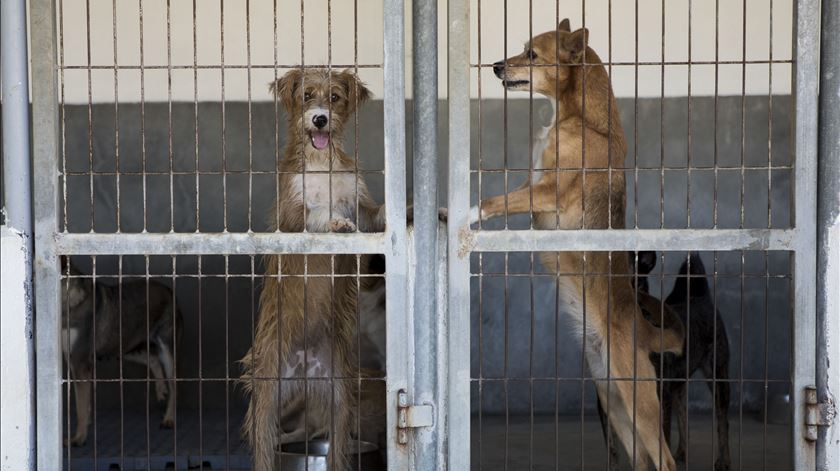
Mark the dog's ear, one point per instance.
(357, 92)
(576, 42)
(564, 26)
(285, 87)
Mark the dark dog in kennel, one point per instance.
(137, 321)
(707, 349)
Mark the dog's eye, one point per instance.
(333, 98)
(307, 96)
(531, 54)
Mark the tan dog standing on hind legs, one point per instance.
(306, 331)
(586, 134)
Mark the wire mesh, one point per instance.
(698, 138)
(168, 130)
(165, 130)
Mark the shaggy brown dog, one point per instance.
(586, 134)
(299, 366)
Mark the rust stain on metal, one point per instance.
(466, 241)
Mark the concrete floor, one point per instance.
(564, 445)
(561, 445)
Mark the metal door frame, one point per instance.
(451, 366)
(800, 239)
(50, 243)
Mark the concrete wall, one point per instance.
(331, 32)
(17, 370)
(657, 130)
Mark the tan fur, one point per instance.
(316, 312)
(587, 133)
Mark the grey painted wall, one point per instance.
(227, 139)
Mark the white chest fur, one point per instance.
(327, 196)
(541, 144)
(311, 363)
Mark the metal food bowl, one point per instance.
(313, 456)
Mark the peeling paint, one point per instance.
(466, 242)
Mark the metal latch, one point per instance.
(411, 416)
(817, 414)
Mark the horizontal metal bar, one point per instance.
(628, 239)
(659, 63)
(218, 243)
(214, 66)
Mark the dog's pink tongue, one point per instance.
(320, 139)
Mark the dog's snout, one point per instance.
(319, 120)
(499, 68)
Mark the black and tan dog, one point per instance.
(138, 321)
(707, 351)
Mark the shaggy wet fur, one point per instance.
(586, 133)
(298, 369)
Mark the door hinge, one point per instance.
(817, 414)
(411, 416)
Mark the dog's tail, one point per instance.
(691, 283)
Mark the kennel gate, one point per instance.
(799, 239)
(452, 408)
(56, 241)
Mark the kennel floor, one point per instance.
(213, 443)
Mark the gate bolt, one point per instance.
(411, 416)
(817, 414)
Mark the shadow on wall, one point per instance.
(216, 172)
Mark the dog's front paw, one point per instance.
(342, 225)
(443, 214)
(722, 465)
(167, 423)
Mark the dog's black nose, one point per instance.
(499, 68)
(319, 121)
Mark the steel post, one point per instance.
(18, 433)
(828, 233)
(424, 150)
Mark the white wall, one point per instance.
(16, 370)
(157, 48)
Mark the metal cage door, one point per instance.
(799, 239)
(54, 240)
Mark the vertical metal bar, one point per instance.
(424, 149)
(45, 150)
(18, 218)
(828, 232)
(458, 427)
(396, 267)
(806, 73)
(16, 176)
